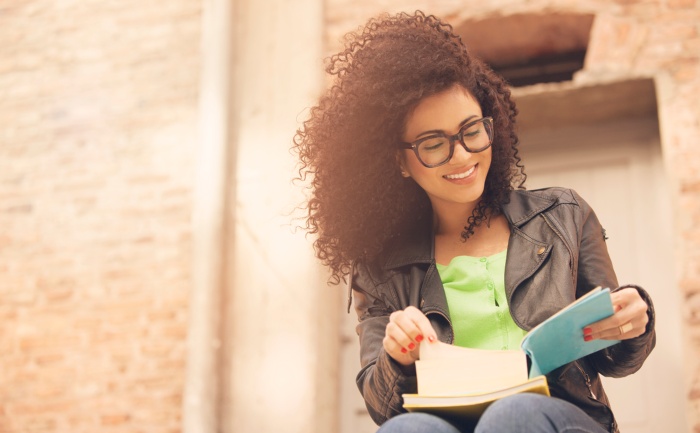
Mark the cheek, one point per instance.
(410, 161)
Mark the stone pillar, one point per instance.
(212, 194)
(276, 370)
(281, 322)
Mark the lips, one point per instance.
(461, 175)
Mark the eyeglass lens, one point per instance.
(476, 137)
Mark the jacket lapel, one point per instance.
(525, 253)
(525, 256)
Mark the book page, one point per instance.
(444, 369)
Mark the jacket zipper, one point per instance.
(588, 381)
(613, 425)
(558, 232)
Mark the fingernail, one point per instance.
(431, 339)
(587, 331)
(403, 350)
(419, 338)
(411, 346)
(587, 338)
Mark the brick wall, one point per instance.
(651, 38)
(97, 126)
(98, 105)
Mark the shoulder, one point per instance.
(555, 195)
(524, 205)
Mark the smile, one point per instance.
(460, 175)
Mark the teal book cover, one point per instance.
(559, 339)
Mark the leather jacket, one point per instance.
(556, 253)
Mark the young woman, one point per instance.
(417, 197)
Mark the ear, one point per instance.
(400, 161)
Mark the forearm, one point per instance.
(382, 384)
(382, 380)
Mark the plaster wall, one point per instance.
(629, 38)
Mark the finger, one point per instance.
(615, 326)
(396, 332)
(628, 298)
(415, 324)
(393, 349)
(422, 322)
(629, 308)
(398, 352)
(404, 329)
(620, 326)
(622, 332)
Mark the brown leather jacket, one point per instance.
(556, 253)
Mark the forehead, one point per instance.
(444, 111)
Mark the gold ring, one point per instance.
(627, 327)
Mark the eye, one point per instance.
(473, 131)
(433, 144)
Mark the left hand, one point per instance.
(629, 319)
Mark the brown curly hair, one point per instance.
(348, 149)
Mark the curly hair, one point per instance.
(359, 202)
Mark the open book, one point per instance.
(460, 382)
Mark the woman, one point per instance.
(417, 197)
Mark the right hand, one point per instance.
(405, 330)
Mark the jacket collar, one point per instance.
(524, 205)
(418, 247)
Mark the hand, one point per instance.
(407, 328)
(629, 320)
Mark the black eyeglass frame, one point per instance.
(452, 139)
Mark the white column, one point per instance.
(263, 340)
(281, 317)
(211, 191)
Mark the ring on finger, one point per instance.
(627, 327)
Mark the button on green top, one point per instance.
(478, 307)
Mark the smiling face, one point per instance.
(458, 184)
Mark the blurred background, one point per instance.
(152, 278)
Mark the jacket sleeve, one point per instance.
(594, 269)
(381, 380)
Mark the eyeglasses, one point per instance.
(437, 149)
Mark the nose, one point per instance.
(460, 153)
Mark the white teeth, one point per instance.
(461, 175)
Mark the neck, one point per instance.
(451, 220)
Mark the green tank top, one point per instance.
(476, 297)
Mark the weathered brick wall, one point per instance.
(97, 134)
(97, 142)
(652, 38)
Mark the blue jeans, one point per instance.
(520, 413)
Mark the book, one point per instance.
(461, 382)
(559, 339)
(469, 406)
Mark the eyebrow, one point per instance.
(440, 131)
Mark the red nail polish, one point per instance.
(587, 338)
(419, 338)
(411, 346)
(403, 350)
(587, 331)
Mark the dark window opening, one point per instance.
(547, 69)
(530, 48)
